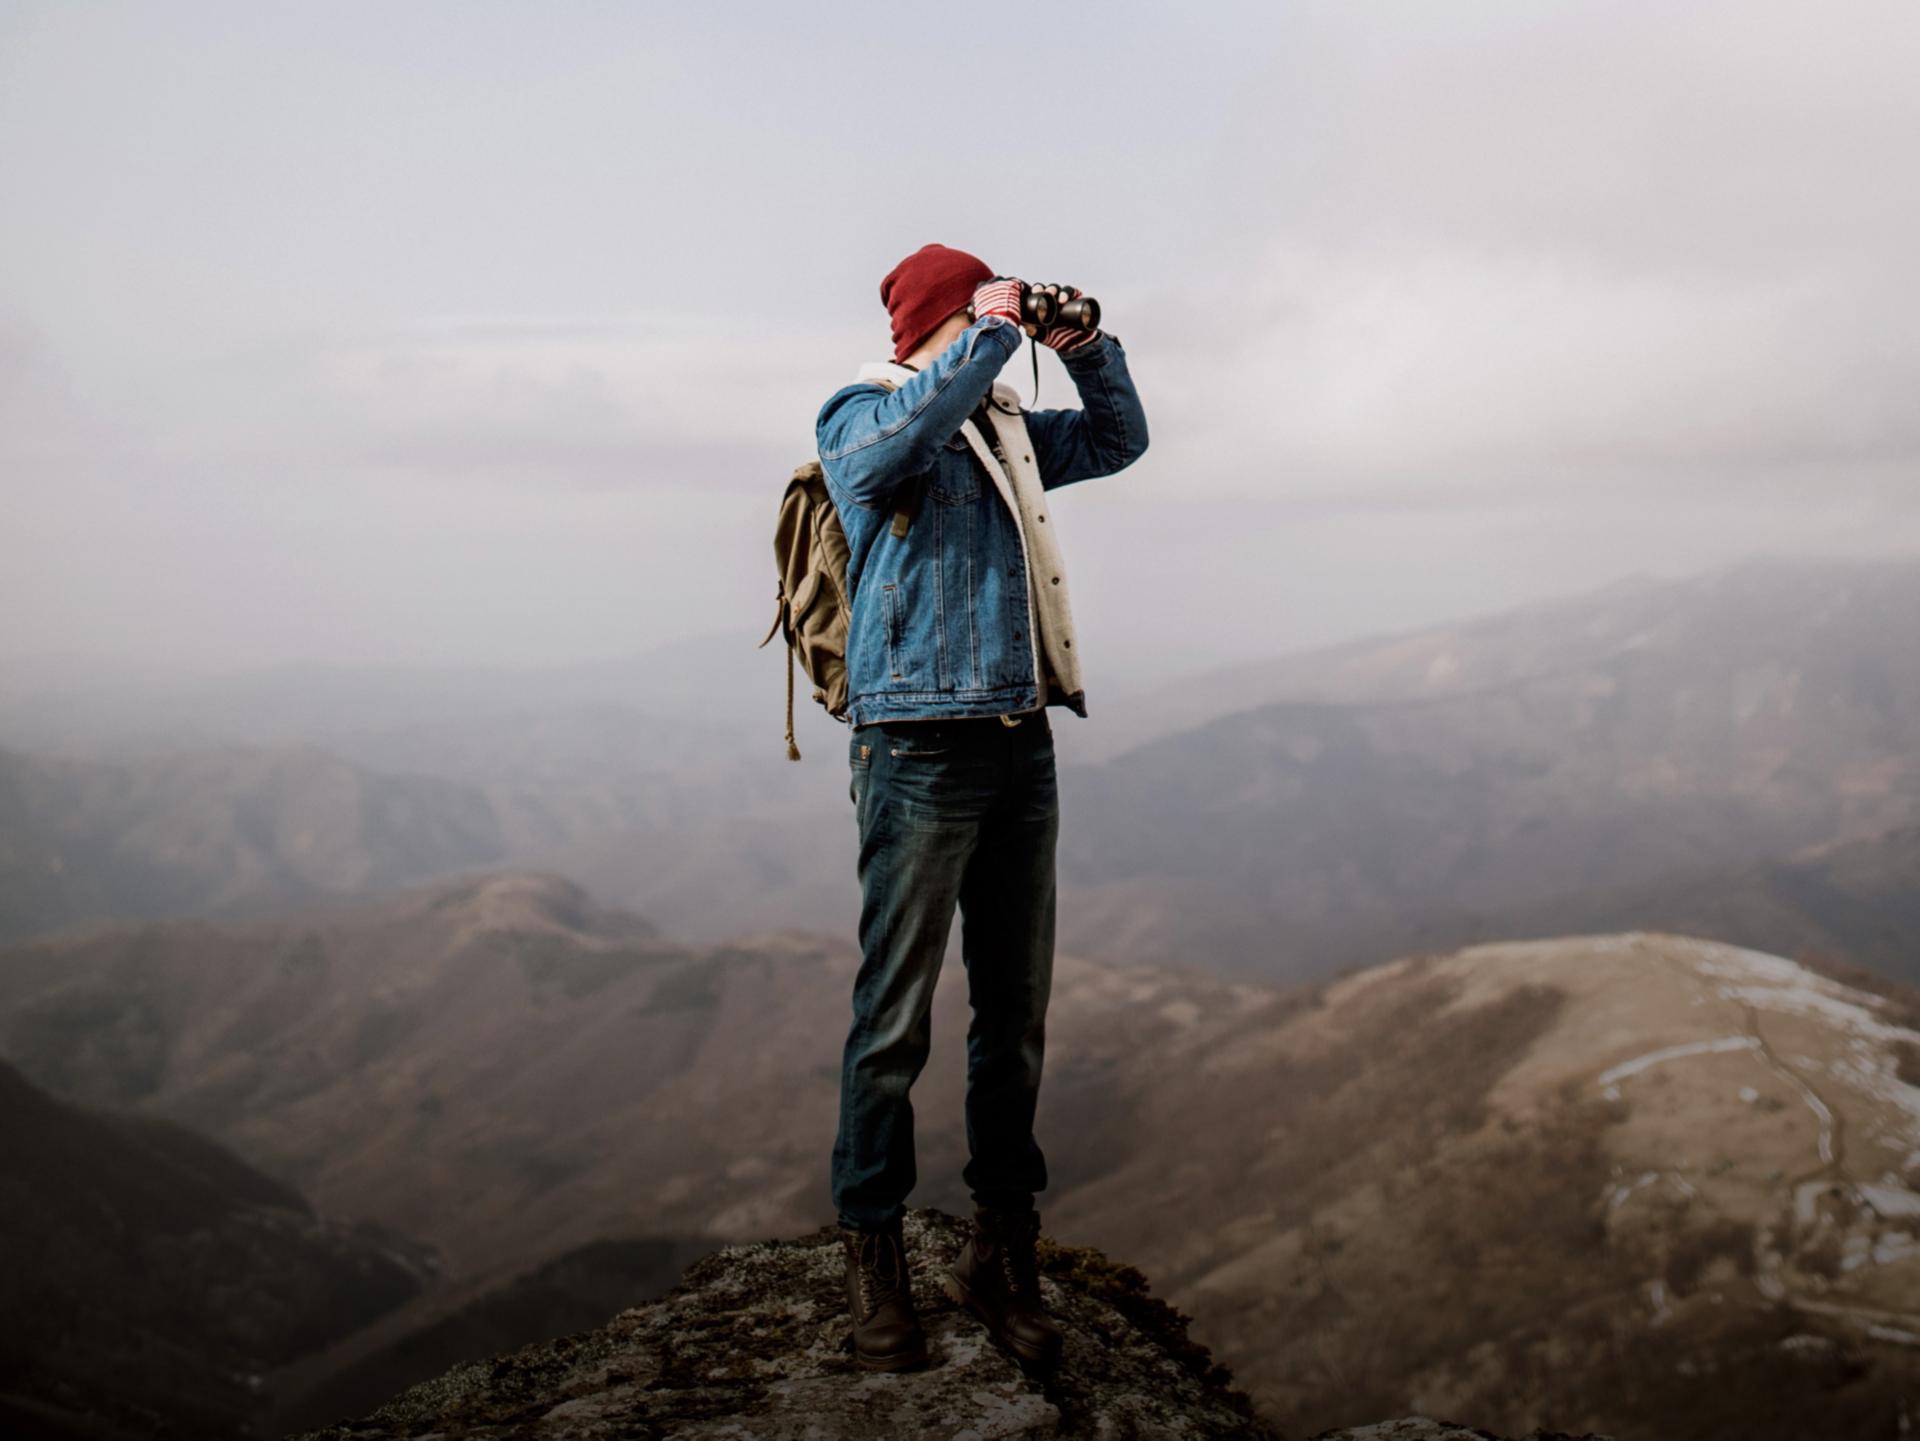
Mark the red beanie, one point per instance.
(924, 289)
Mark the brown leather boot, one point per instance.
(886, 1332)
(996, 1278)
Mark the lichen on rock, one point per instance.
(754, 1343)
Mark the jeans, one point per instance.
(950, 812)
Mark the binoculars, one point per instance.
(1044, 309)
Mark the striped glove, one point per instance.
(999, 296)
(1065, 339)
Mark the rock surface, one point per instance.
(1423, 1428)
(754, 1344)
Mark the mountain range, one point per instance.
(1511, 1019)
(1558, 767)
(1563, 1179)
(1487, 780)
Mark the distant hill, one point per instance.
(219, 832)
(1463, 782)
(1760, 606)
(1454, 786)
(421, 1062)
(1641, 1184)
(152, 1278)
(497, 1065)
(508, 1070)
(1856, 902)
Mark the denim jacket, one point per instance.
(943, 621)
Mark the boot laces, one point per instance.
(1015, 1283)
(1017, 1259)
(880, 1277)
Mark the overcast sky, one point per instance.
(455, 333)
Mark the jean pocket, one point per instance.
(917, 740)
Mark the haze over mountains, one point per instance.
(225, 831)
(553, 986)
(1854, 900)
(1471, 781)
(1442, 787)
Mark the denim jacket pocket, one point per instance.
(892, 616)
(955, 479)
(908, 624)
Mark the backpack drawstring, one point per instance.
(780, 624)
(793, 751)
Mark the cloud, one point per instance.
(1370, 371)
(1477, 293)
(1593, 248)
(1695, 140)
(537, 403)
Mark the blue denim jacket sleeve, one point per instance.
(1108, 434)
(871, 439)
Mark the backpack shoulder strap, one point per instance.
(904, 513)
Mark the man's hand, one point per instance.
(1000, 296)
(1066, 338)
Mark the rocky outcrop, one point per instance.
(753, 1344)
(1425, 1428)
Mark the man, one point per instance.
(959, 640)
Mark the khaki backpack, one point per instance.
(811, 605)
